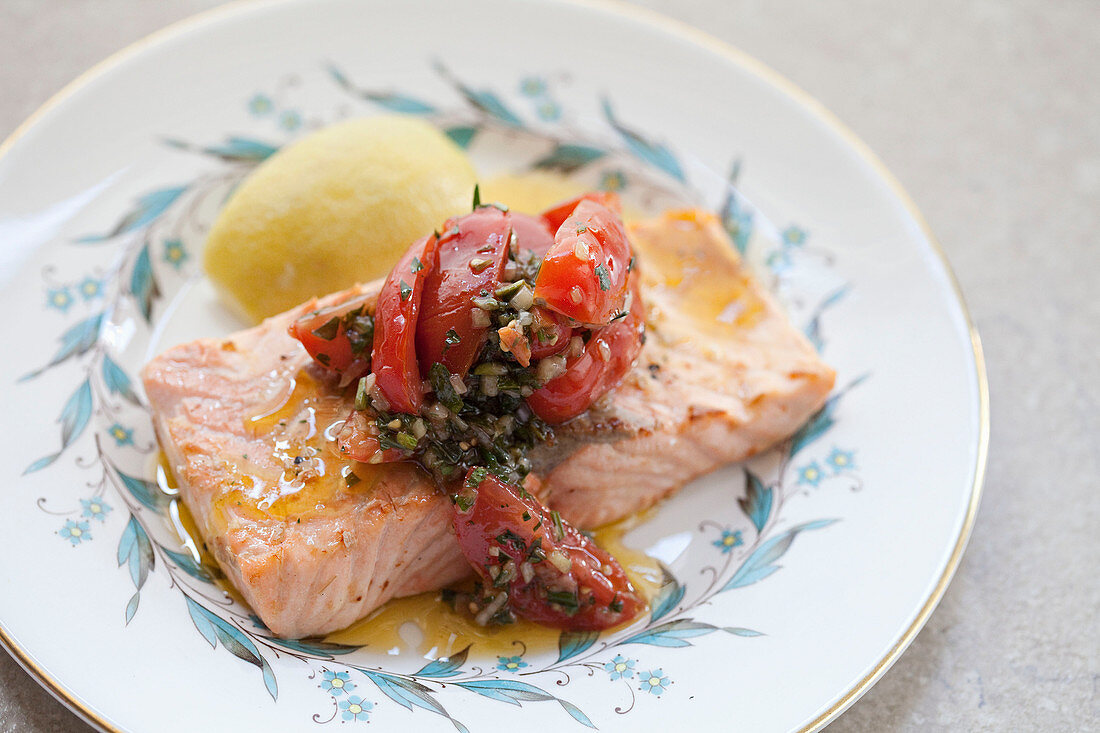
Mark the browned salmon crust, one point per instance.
(242, 421)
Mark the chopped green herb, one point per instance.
(582, 228)
(451, 339)
(329, 330)
(564, 598)
(440, 377)
(630, 265)
(477, 476)
(406, 441)
(351, 480)
(406, 291)
(604, 276)
(526, 515)
(477, 196)
(616, 604)
(416, 265)
(464, 502)
(559, 528)
(323, 358)
(536, 554)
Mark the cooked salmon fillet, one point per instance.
(247, 421)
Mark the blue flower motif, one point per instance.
(95, 508)
(121, 435)
(778, 261)
(174, 252)
(810, 474)
(613, 181)
(510, 664)
(620, 668)
(59, 298)
(729, 540)
(654, 682)
(794, 236)
(290, 120)
(355, 708)
(75, 532)
(260, 105)
(532, 86)
(549, 110)
(841, 460)
(90, 288)
(336, 683)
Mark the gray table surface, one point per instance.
(989, 113)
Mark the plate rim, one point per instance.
(754, 66)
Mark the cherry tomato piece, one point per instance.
(557, 215)
(584, 274)
(358, 440)
(393, 359)
(607, 357)
(533, 233)
(325, 335)
(550, 333)
(552, 573)
(471, 255)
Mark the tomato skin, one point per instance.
(393, 359)
(480, 237)
(335, 353)
(604, 596)
(589, 376)
(556, 216)
(533, 233)
(584, 275)
(358, 440)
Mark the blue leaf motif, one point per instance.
(143, 285)
(214, 629)
(233, 150)
(813, 328)
(117, 381)
(568, 158)
(409, 694)
(148, 208)
(668, 596)
(136, 552)
(512, 691)
(738, 631)
(821, 421)
(759, 565)
(671, 634)
(398, 103)
(75, 341)
(736, 218)
(757, 502)
(185, 562)
(462, 136)
(394, 102)
(76, 413)
(481, 99)
(653, 153)
(41, 463)
(444, 666)
(322, 649)
(147, 492)
(572, 643)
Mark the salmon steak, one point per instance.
(315, 540)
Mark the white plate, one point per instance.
(103, 203)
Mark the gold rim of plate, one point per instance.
(753, 66)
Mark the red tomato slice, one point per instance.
(324, 333)
(533, 233)
(471, 255)
(606, 359)
(553, 574)
(556, 216)
(358, 440)
(393, 359)
(584, 274)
